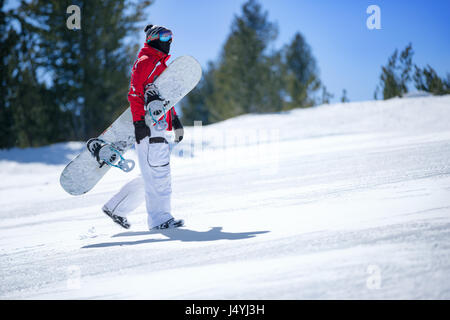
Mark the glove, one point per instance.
(178, 128)
(141, 130)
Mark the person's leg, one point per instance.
(127, 199)
(158, 196)
(154, 161)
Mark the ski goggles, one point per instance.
(163, 36)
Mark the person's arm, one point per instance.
(137, 100)
(136, 96)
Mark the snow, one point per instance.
(343, 201)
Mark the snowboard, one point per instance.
(108, 149)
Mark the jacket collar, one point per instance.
(154, 52)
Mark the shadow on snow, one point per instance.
(186, 235)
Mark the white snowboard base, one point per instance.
(84, 172)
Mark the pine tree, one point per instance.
(195, 106)
(59, 84)
(302, 78)
(326, 96)
(30, 116)
(427, 79)
(89, 68)
(396, 74)
(242, 79)
(344, 97)
(251, 77)
(8, 43)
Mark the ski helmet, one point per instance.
(158, 37)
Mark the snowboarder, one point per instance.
(154, 186)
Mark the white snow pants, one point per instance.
(154, 186)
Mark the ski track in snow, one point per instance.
(348, 201)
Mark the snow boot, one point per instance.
(122, 221)
(170, 224)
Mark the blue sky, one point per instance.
(349, 55)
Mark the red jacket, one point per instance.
(149, 65)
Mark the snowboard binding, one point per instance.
(110, 154)
(156, 106)
(162, 124)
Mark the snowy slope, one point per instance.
(336, 202)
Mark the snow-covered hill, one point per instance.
(343, 201)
